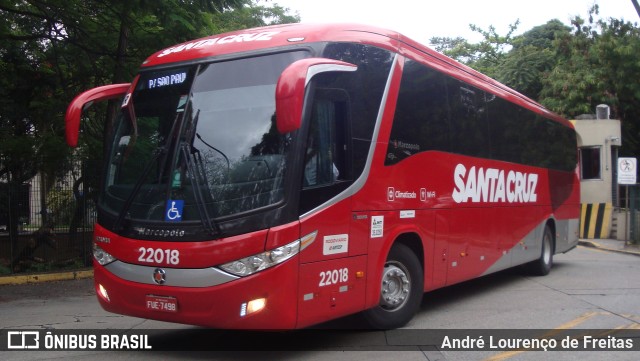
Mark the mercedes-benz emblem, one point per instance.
(159, 276)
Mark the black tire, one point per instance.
(402, 287)
(542, 266)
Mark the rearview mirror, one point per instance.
(291, 88)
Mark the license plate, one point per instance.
(161, 303)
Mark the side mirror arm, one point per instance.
(83, 101)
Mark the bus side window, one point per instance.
(470, 127)
(320, 166)
(326, 164)
(422, 118)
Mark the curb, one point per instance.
(592, 244)
(46, 277)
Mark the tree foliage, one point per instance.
(597, 64)
(518, 61)
(485, 56)
(50, 50)
(531, 58)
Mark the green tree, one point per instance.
(597, 64)
(532, 56)
(485, 56)
(517, 61)
(29, 95)
(50, 50)
(252, 16)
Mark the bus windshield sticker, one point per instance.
(126, 99)
(181, 104)
(173, 212)
(377, 226)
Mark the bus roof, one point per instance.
(271, 37)
(256, 39)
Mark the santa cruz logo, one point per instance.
(204, 43)
(491, 185)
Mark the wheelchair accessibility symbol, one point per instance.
(173, 212)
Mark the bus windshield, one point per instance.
(199, 142)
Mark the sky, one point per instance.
(423, 19)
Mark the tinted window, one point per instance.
(469, 128)
(521, 136)
(342, 119)
(327, 169)
(364, 88)
(437, 112)
(422, 118)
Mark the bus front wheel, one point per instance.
(401, 290)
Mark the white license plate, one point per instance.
(161, 303)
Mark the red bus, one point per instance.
(279, 177)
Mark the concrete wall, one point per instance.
(604, 134)
(599, 219)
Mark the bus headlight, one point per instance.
(261, 261)
(102, 256)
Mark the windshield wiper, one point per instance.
(164, 150)
(195, 175)
(217, 150)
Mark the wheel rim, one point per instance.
(396, 286)
(546, 256)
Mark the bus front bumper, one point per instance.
(265, 300)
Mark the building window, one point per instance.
(590, 163)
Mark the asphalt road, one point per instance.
(587, 289)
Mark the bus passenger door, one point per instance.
(329, 263)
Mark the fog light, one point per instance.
(103, 292)
(252, 306)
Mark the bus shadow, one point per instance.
(442, 297)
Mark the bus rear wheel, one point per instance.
(542, 266)
(401, 289)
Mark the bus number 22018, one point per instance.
(333, 277)
(158, 255)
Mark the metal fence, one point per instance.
(46, 224)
